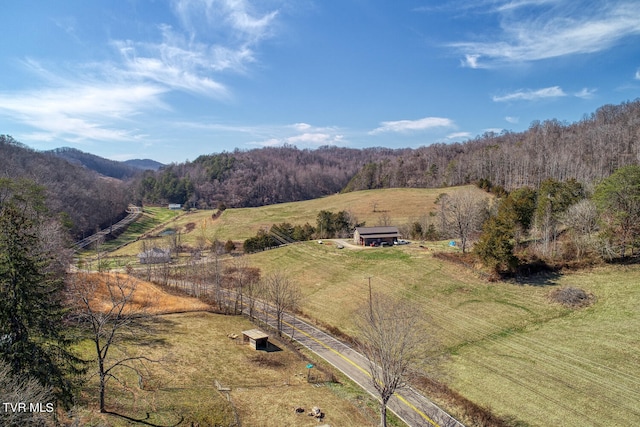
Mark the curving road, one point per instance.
(133, 211)
(408, 404)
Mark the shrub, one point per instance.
(571, 297)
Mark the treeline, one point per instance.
(81, 198)
(257, 177)
(562, 223)
(328, 225)
(587, 151)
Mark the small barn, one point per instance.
(155, 256)
(365, 236)
(175, 206)
(257, 339)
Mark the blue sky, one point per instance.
(170, 80)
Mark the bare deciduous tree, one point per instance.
(106, 319)
(391, 339)
(582, 221)
(463, 213)
(283, 294)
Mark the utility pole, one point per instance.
(370, 298)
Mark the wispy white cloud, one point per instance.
(459, 135)
(314, 139)
(517, 4)
(216, 36)
(100, 100)
(531, 95)
(85, 109)
(512, 120)
(585, 93)
(536, 30)
(637, 76)
(412, 125)
(247, 24)
(299, 134)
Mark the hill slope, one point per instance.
(506, 346)
(587, 151)
(106, 167)
(86, 199)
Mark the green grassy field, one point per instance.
(401, 205)
(503, 345)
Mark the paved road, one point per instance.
(134, 213)
(408, 404)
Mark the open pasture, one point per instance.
(191, 352)
(506, 346)
(400, 205)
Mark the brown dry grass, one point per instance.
(146, 297)
(195, 352)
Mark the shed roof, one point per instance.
(377, 231)
(255, 334)
(378, 236)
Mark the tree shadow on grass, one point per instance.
(546, 278)
(144, 420)
(148, 331)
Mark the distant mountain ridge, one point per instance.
(144, 164)
(79, 196)
(111, 168)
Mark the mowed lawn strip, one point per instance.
(579, 369)
(509, 347)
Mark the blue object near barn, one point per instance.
(452, 243)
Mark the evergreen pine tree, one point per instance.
(33, 341)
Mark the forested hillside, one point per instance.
(258, 177)
(106, 167)
(587, 151)
(81, 198)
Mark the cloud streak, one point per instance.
(301, 135)
(538, 30)
(76, 111)
(99, 101)
(531, 95)
(403, 126)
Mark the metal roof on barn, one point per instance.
(377, 232)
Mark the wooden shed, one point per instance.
(257, 339)
(368, 235)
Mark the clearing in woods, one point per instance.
(398, 205)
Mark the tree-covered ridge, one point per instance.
(81, 198)
(257, 177)
(586, 151)
(106, 167)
